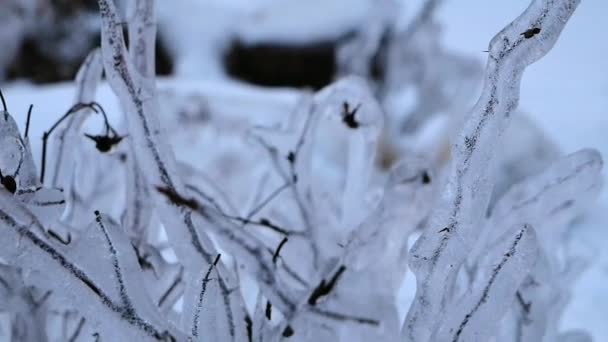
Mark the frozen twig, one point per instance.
(436, 257)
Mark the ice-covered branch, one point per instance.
(151, 148)
(552, 198)
(442, 248)
(74, 273)
(67, 136)
(477, 314)
(142, 38)
(138, 100)
(245, 247)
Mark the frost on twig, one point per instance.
(27, 305)
(293, 232)
(477, 314)
(17, 168)
(67, 135)
(441, 250)
(549, 200)
(553, 198)
(114, 299)
(136, 94)
(142, 121)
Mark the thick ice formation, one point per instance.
(308, 239)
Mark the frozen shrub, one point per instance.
(306, 239)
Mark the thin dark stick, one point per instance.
(105, 118)
(78, 330)
(171, 288)
(3, 101)
(39, 302)
(72, 110)
(344, 317)
(275, 256)
(268, 199)
(46, 134)
(192, 203)
(27, 121)
(262, 223)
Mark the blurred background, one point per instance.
(253, 58)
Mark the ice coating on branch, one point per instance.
(164, 281)
(137, 98)
(355, 55)
(295, 232)
(19, 178)
(16, 161)
(552, 198)
(256, 259)
(406, 201)
(65, 142)
(375, 254)
(142, 34)
(441, 250)
(142, 121)
(541, 299)
(27, 304)
(477, 314)
(549, 200)
(205, 316)
(350, 102)
(138, 217)
(106, 290)
(530, 152)
(416, 65)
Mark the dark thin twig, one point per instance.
(94, 106)
(268, 199)
(193, 204)
(42, 300)
(261, 223)
(324, 288)
(170, 290)
(177, 199)
(275, 256)
(3, 101)
(201, 295)
(343, 317)
(77, 331)
(524, 305)
(294, 275)
(248, 327)
(204, 196)
(268, 310)
(59, 238)
(46, 134)
(27, 121)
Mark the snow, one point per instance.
(294, 21)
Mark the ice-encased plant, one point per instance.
(307, 240)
